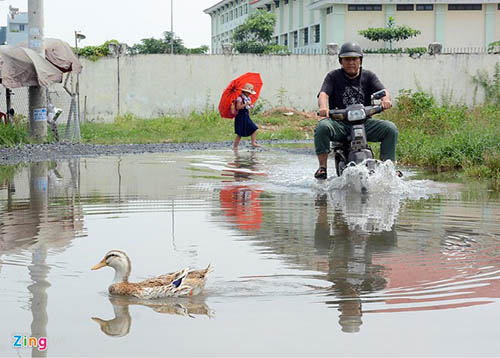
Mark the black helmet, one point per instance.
(350, 49)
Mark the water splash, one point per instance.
(370, 200)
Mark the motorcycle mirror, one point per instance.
(379, 94)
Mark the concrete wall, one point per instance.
(152, 85)
(464, 29)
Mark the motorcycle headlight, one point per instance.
(356, 115)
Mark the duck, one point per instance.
(182, 283)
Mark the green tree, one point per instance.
(93, 53)
(198, 50)
(163, 45)
(255, 35)
(390, 33)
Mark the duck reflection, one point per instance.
(351, 269)
(120, 325)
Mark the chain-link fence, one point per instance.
(61, 105)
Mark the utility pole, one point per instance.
(172, 27)
(37, 97)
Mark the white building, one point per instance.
(226, 16)
(308, 25)
(17, 28)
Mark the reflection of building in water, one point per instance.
(363, 251)
(461, 274)
(119, 326)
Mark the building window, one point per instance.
(246, 9)
(305, 36)
(21, 27)
(276, 40)
(404, 7)
(316, 34)
(453, 7)
(268, 7)
(286, 2)
(367, 7)
(277, 3)
(425, 7)
(329, 10)
(285, 39)
(295, 39)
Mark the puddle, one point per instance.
(295, 260)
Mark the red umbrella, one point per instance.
(233, 90)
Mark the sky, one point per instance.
(127, 21)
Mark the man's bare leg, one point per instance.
(323, 159)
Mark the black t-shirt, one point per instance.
(343, 91)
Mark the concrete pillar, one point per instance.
(322, 28)
(300, 5)
(227, 48)
(290, 15)
(281, 16)
(435, 48)
(338, 18)
(36, 94)
(440, 18)
(390, 11)
(332, 49)
(489, 23)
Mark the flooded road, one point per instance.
(301, 268)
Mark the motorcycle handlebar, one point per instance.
(341, 114)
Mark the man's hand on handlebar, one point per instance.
(386, 103)
(323, 112)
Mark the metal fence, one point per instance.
(464, 50)
(324, 51)
(66, 128)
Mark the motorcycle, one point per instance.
(355, 149)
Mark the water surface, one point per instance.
(301, 268)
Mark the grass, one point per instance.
(17, 133)
(197, 127)
(441, 138)
(447, 137)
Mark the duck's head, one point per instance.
(119, 261)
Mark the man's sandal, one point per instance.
(320, 173)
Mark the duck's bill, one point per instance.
(99, 265)
(98, 320)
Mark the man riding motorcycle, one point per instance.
(351, 84)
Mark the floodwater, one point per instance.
(411, 268)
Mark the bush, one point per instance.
(443, 137)
(491, 85)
